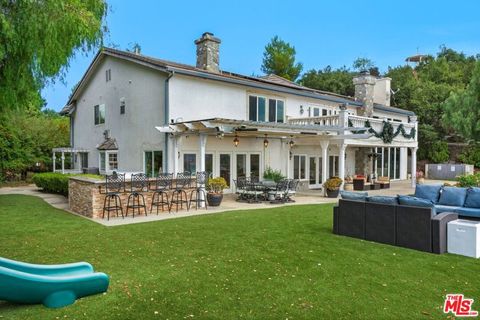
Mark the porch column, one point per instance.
(63, 162)
(53, 159)
(341, 162)
(202, 140)
(175, 154)
(324, 146)
(414, 166)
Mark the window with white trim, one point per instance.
(259, 110)
(99, 114)
(190, 162)
(299, 171)
(112, 161)
(108, 161)
(153, 163)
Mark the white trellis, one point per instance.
(73, 154)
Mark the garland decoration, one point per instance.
(387, 134)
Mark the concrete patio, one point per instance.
(228, 204)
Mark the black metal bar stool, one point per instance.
(163, 183)
(114, 185)
(179, 195)
(199, 191)
(139, 184)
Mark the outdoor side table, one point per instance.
(464, 238)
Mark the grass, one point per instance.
(275, 263)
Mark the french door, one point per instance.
(314, 172)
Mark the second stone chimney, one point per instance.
(364, 92)
(208, 52)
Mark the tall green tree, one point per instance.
(332, 80)
(279, 59)
(37, 40)
(462, 109)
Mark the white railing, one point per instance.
(322, 121)
(377, 124)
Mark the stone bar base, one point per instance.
(86, 197)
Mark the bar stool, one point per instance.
(199, 191)
(139, 184)
(179, 195)
(163, 183)
(114, 185)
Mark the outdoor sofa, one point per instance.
(402, 221)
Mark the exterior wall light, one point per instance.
(236, 141)
(291, 143)
(265, 142)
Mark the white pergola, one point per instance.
(73, 152)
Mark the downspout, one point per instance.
(166, 113)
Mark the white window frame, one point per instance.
(99, 106)
(305, 156)
(153, 160)
(267, 107)
(107, 168)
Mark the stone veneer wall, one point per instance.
(86, 197)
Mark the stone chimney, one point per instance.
(364, 92)
(208, 52)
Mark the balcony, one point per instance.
(355, 122)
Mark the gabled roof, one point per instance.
(269, 82)
(108, 144)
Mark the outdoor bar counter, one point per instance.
(86, 197)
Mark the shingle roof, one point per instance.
(108, 144)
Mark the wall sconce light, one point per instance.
(291, 143)
(301, 109)
(236, 141)
(265, 142)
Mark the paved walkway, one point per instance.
(228, 204)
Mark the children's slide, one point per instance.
(53, 285)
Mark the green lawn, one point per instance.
(279, 263)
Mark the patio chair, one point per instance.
(179, 195)
(199, 191)
(163, 183)
(292, 189)
(281, 192)
(114, 185)
(138, 185)
(252, 191)
(241, 188)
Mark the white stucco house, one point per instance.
(133, 113)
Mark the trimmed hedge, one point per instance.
(56, 182)
(52, 182)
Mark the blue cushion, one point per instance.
(358, 196)
(442, 208)
(428, 191)
(473, 198)
(453, 196)
(383, 199)
(470, 212)
(416, 202)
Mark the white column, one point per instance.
(63, 162)
(403, 163)
(175, 154)
(414, 166)
(202, 140)
(324, 146)
(341, 162)
(53, 159)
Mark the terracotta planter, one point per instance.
(214, 199)
(333, 193)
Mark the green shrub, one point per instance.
(272, 174)
(471, 180)
(216, 185)
(52, 182)
(438, 152)
(471, 155)
(333, 183)
(56, 182)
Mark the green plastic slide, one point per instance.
(53, 285)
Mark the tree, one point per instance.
(38, 38)
(332, 80)
(279, 59)
(462, 110)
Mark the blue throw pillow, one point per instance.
(473, 198)
(453, 196)
(358, 196)
(383, 199)
(428, 191)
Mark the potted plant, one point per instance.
(215, 187)
(420, 178)
(332, 186)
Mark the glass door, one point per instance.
(225, 167)
(255, 165)
(241, 165)
(313, 171)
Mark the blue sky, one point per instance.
(323, 32)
